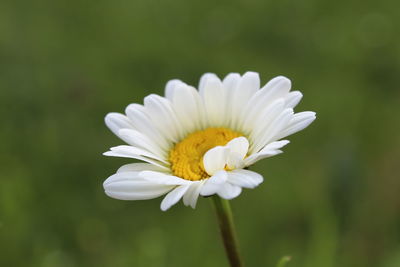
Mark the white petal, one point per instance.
(213, 184)
(137, 139)
(116, 121)
(126, 176)
(189, 108)
(163, 178)
(250, 82)
(136, 191)
(141, 121)
(173, 197)
(235, 162)
(293, 98)
(215, 159)
(238, 149)
(274, 89)
(263, 120)
(130, 152)
(129, 186)
(163, 117)
(229, 191)
(230, 84)
(276, 126)
(231, 81)
(170, 88)
(275, 145)
(246, 87)
(239, 145)
(204, 78)
(244, 178)
(192, 194)
(297, 123)
(138, 167)
(259, 156)
(269, 150)
(214, 100)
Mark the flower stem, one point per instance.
(227, 228)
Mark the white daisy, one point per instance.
(201, 142)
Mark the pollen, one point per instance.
(186, 157)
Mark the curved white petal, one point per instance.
(171, 86)
(137, 139)
(214, 100)
(274, 89)
(259, 156)
(238, 149)
(142, 123)
(230, 84)
(264, 119)
(245, 178)
(276, 126)
(298, 122)
(239, 95)
(189, 108)
(293, 98)
(269, 150)
(192, 194)
(126, 176)
(235, 162)
(129, 186)
(275, 145)
(239, 145)
(215, 159)
(163, 117)
(116, 121)
(214, 183)
(231, 81)
(138, 167)
(229, 191)
(131, 152)
(163, 178)
(250, 82)
(204, 78)
(268, 114)
(173, 197)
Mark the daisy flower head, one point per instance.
(200, 142)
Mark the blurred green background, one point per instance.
(333, 197)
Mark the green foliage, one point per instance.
(332, 199)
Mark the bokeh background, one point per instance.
(333, 197)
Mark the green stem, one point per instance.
(227, 228)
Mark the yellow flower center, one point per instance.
(186, 157)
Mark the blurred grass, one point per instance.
(332, 199)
